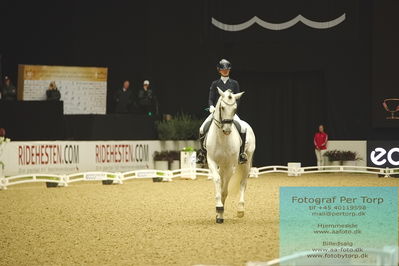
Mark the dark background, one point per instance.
(294, 79)
(385, 58)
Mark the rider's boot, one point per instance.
(243, 158)
(201, 156)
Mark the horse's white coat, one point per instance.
(223, 146)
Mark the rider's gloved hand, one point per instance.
(211, 109)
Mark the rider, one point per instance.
(224, 83)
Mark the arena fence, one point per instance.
(187, 173)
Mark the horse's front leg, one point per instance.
(218, 191)
(243, 186)
(225, 175)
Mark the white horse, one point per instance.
(223, 146)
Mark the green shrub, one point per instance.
(182, 127)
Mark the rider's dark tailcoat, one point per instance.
(213, 91)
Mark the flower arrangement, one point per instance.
(174, 156)
(350, 156)
(161, 156)
(3, 142)
(169, 156)
(336, 155)
(188, 149)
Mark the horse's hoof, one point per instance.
(219, 220)
(240, 214)
(220, 209)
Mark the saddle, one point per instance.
(208, 125)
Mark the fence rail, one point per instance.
(188, 173)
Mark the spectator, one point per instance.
(320, 142)
(123, 98)
(147, 101)
(52, 93)
(8, 90)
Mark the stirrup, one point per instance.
(243, 158)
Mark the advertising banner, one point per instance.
(65, 157)
(383, 154)
(83, 89)
(337, 225)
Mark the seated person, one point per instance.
(52, 93)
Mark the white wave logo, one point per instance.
(279, 26)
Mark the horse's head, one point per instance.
(226, 109)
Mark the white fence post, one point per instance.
(254, 172)
(118, 179)
(387, 171)
(64, 181)
(168, 175)
(294, 169)
(3, 180)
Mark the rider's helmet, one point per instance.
(223, 65)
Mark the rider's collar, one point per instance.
(224, 79)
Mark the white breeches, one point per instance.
(243, 124)
(320, 157)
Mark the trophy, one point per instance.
(391, 106)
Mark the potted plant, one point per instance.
(342, 157)
(161, 162)
(349, 158)
(333, 157)
(188, 158)
(174, 160)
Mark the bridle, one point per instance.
(219, 123)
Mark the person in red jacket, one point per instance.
(320, 143)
